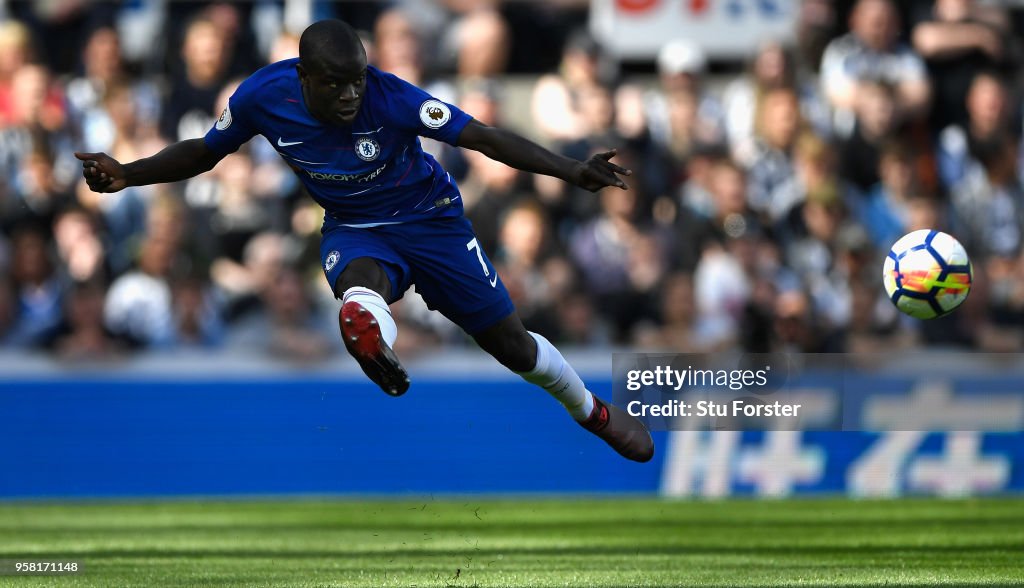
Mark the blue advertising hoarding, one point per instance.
(103, 435)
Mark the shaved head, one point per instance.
(329, 42)
(332, 70)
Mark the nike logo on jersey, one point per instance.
(281, 142)
(494, 281)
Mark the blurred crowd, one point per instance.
(759, 210)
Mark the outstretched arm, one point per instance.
(520, 153)
(176, 162)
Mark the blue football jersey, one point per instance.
(370, 173)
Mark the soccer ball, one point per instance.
(927, 274)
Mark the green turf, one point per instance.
(475, 542)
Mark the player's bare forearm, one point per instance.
(179, 161)
(174, 163)
(521, 153)
(516, 151)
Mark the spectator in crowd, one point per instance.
(988, 115)
(38, 288)
(286, 46)
(489, 188)
(812, 250)
(760, 259)
(482, 39)
(397, 47)
(34, 100)
(621, 256)
(596, 107)
(721, 291)
(961, 39)
(287, 327)
(105, 78)
(731, 212)
(623, 121)
(579, 322)
(681, 68)
(471, 37)
(523, 248)
(692, 227)
(62, 24)
(695, 193)
(794, 329)
(988, 207)
(630, 118)
(871, 53)
(600, 247)
(773, 68)
(722, 283)
(123, 213)
(196, 82)
(236, 214)
(79, 246)
(815, 28)
(926, 212)
(103, 67)
(15, 53)
(82, 335)
(36, 135)
(197, 312)
(240, 281)
(233, 20)
(815, 163)
(675, 329)
(140, 302)
(554, 107)
(884, 210)
(876, 123)
(683, 134)
(35, 184)
(771, 163)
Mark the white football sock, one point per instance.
(556, 376)
(376, 305)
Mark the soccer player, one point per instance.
(394, 217)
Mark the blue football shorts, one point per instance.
(440, 256)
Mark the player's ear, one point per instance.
(301, 71)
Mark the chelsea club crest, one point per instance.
(367, 149)
(331, 261)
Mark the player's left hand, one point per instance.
(598, 172)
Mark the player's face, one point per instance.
(334, 91)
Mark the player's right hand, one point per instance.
(102, 172)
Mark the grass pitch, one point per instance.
(475, 542)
